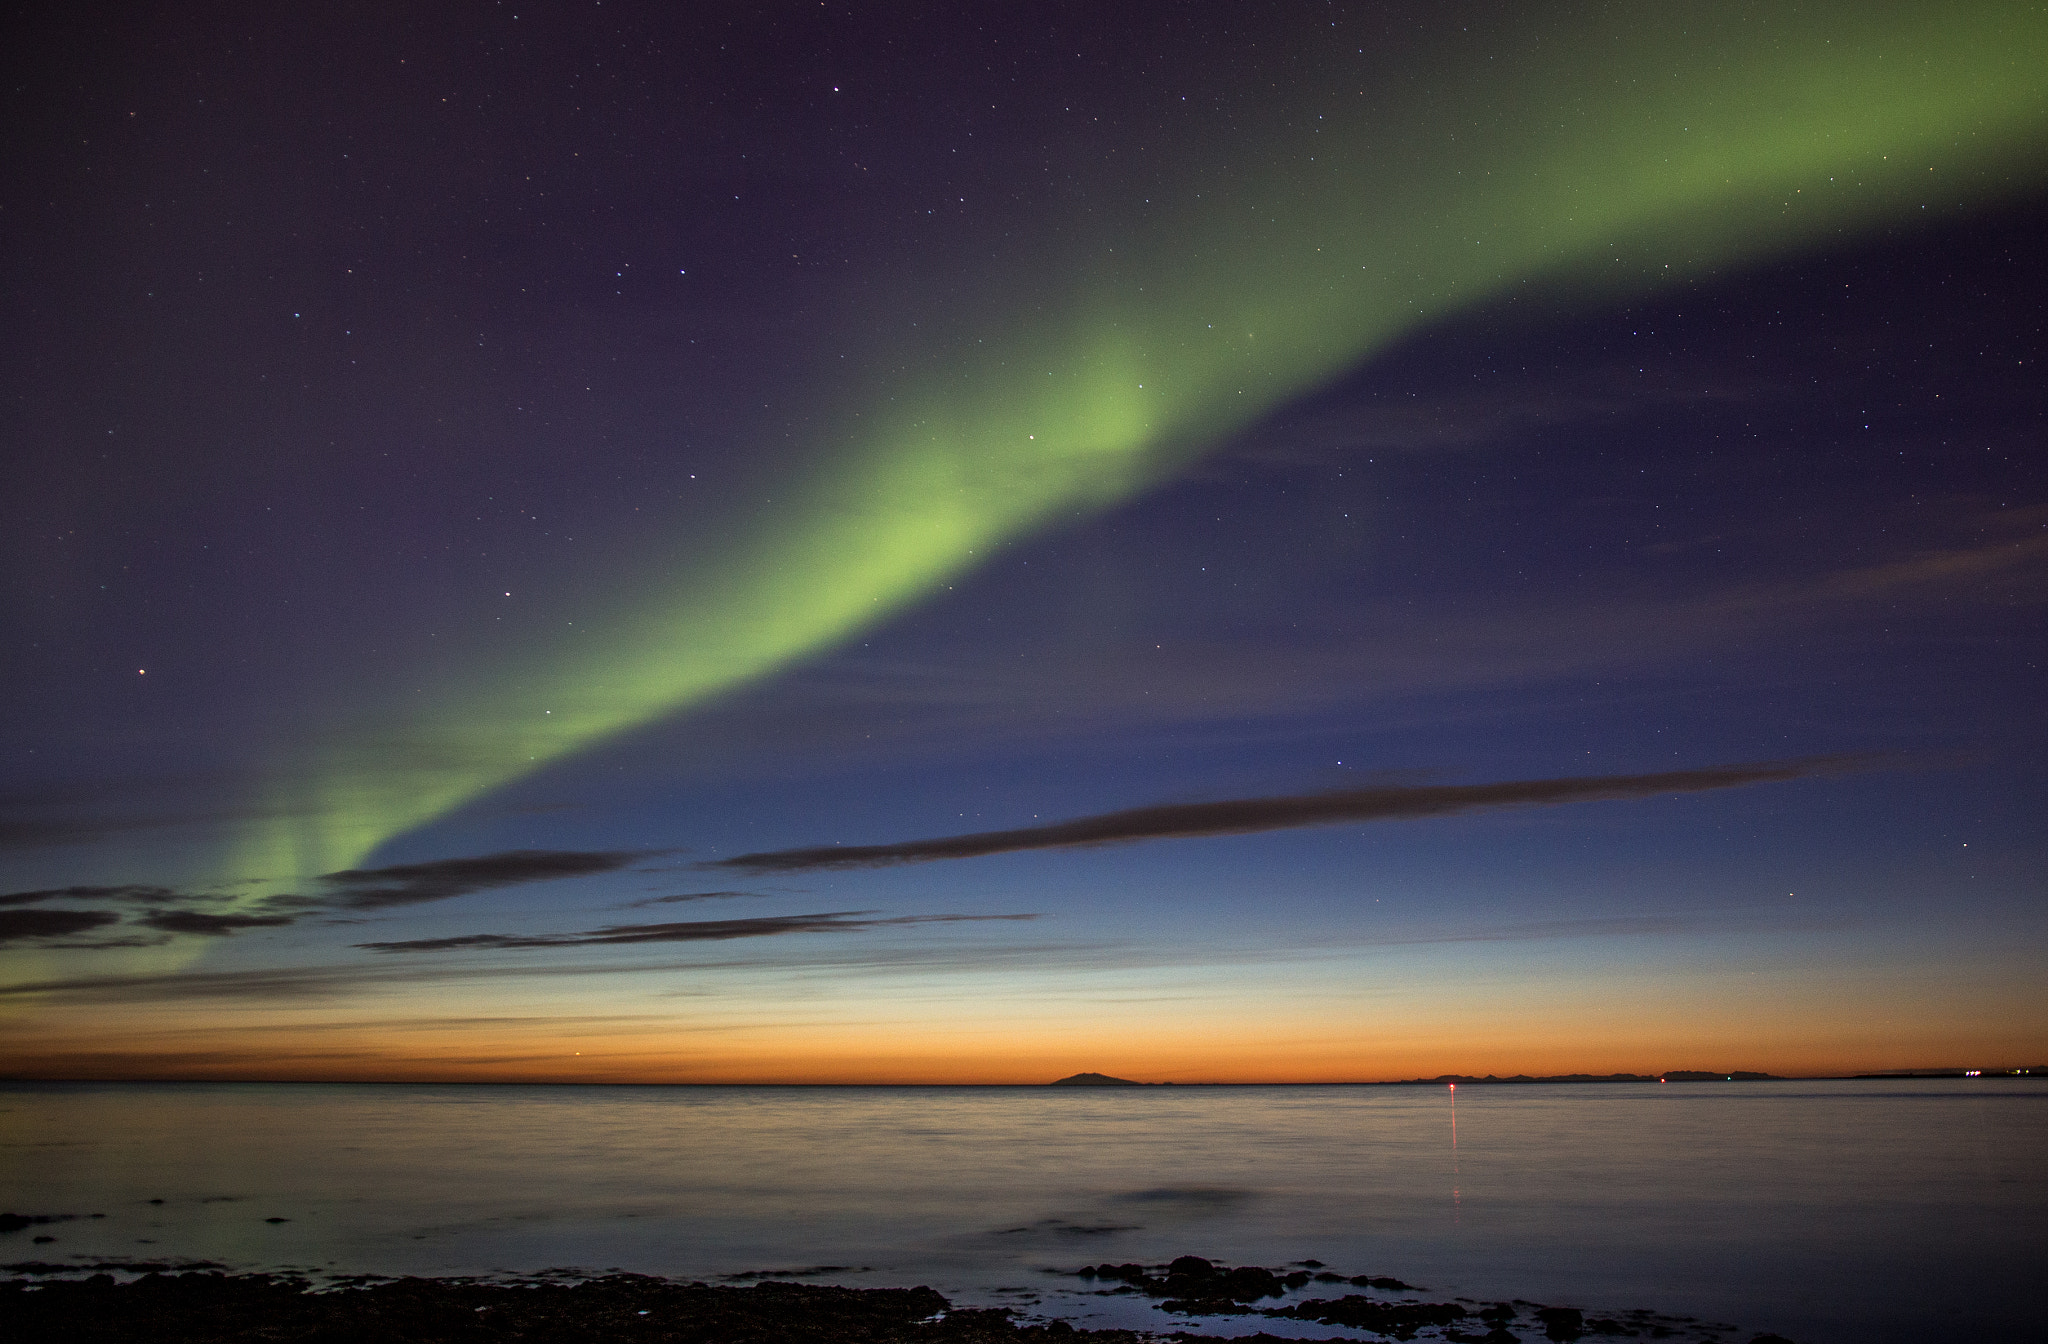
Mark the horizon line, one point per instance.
(1670, 1075)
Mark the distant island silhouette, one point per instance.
(1094, 1080)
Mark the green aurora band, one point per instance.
(1629, 146)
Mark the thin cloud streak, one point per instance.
(146, 895)
(439, 879)
(1243, 816)
(683, 896)
(683, 931)
(213, 926)
(332, 981)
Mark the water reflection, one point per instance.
(1820, 1210)
(1457, 1196)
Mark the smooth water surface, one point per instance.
(1824, 1211)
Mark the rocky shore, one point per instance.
(212, 1307)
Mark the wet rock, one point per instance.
(1399, 1319)
(622, 1308)
(1205, 1306)
(1193, 1286)
(1383, 1283)
(1499, 1334)
(1562, 1323)
(1130, 1274)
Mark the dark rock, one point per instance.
(1204, 1306)
(1192, 1286)
(629, 1309)
(1383, 1283)
(1131, 1274)
(172, 1303)
(1399, 1319)
(42, 1240)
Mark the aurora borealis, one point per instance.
(1220, 304)
(474, 478)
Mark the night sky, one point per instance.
(971, 543)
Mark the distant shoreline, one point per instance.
(1516, 1080)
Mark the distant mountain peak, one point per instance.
(1095, 1080)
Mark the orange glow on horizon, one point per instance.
(1318, 1022)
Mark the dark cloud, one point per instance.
(351, 889)
(20, 925)
(285, 900)
(690, 931)
(439, 879)
(686, 896)
(198, 921)
(163, 913)
(145, 895)
(1241, 816)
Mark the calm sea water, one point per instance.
(1834, 1211)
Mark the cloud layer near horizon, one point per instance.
(171, 911)
(682, 931)
(1242, 816)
